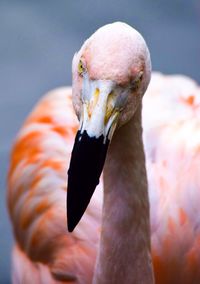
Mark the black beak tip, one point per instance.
(73, 213)
(70, 226)
(87, 160)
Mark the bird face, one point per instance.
(104, 104)
(110, 75)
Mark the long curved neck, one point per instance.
(124, 253)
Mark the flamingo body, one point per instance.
(172, 141)
(44, 251)
(37, 194)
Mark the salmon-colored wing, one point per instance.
(45, 252)
(171, 118)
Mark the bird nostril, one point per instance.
(93, 101)
(109, 106)
(96, 96)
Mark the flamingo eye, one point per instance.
(136, 83)
(81, 68)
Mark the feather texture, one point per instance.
(44, 251)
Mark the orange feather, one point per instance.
(44, 251)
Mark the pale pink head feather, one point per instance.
(115, 52)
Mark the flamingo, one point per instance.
(123, 231)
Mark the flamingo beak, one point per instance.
(97, 126)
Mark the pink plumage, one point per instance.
(172, 144)
(37, 198)
(44, 251)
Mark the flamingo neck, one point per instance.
(124, 253)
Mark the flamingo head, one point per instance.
(111, 73)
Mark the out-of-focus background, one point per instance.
(38, 40)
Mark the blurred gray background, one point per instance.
(38, 40)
